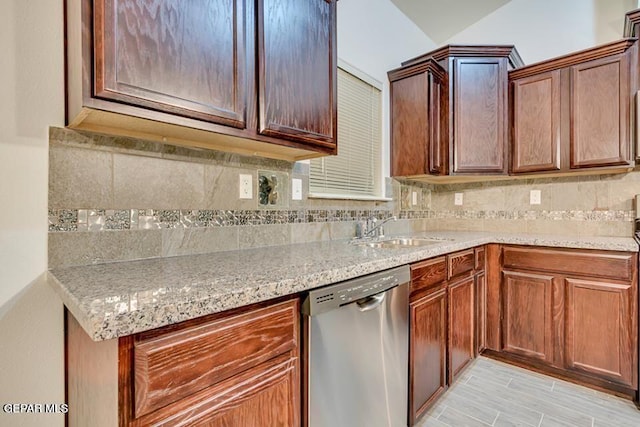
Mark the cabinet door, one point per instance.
(461, 326)
(264, 396)
(536, 123)
(479, 110)
(184, 58)
(297, 70)
(527, 322)
(601, 331)
(410, 125)
(428, 351)
(600, 113)
(481, 312)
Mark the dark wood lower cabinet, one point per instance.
(428, 351)
(461, 325)
(527, 319)
(571, 313)
(481, 312)
(600, 319)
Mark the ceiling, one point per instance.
(441, 19)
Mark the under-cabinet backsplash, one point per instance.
(114, 198)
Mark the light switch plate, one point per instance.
(296, 189)
(535, 197)
(246, 186)
(414, 198)
(457, 199)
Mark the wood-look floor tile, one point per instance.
(455, 418)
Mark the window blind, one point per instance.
(355, 171)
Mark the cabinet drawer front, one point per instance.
(178, 364)
(428, 273)
(615, 265)
(460, 263)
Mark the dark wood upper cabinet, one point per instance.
(254, 77)
(536, 123)
(479, 115)
(297, 70)
(416, 119)
(600, 105)
(473, 118)
(185, 58)
(574, 112)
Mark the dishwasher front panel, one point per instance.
(358, 363)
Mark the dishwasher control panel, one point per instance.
(333, 296)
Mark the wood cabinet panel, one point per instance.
(174, 365)
(416, 120)
(461, 331)
(411, 124)
(600, 112)
(601, 335)
(481, 312)
(264, 395)
(297, 70)
(460, 263)
(527, 315)
(426, 274)
(480, 259)
(428, 351)
(184, 58)
(480, 106)
(536, 123)
(614, 265)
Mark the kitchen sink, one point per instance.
(400, 242)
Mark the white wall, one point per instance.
(375, 37)
(31, 99)
(543, 29)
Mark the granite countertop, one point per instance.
(118, 299)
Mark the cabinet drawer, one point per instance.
(614, 265)
(179, 363)
(460, 263)
(479, 259)
(427, 273)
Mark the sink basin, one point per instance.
(402, 242)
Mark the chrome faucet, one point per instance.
(372, 228)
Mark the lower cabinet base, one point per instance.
(595, 383)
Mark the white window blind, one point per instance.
(355, 171)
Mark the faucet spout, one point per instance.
(376, 229)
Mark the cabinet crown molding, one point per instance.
(630, 20)
(602, 51)
(476, 51)
(428, 64)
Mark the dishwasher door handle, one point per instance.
(370, 303)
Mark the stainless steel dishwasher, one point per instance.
(357, 348)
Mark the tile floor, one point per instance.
(491, 393)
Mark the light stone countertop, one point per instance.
(119, 299)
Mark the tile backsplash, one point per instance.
(114, 198)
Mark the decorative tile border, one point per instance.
(626, 216)
(62, 220)
(154, 219)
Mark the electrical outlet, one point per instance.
(246, 186)
(457, 199)
(414, 198)
(296, 189)
(535, 197)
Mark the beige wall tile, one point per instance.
(554, 227)
(622, 194)
(263, 235)
(607, 228)
(313, 232)
(80, 178)
(82, 248)
(505, 225)
(144, 182)
(222, 188)
(187, 241)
